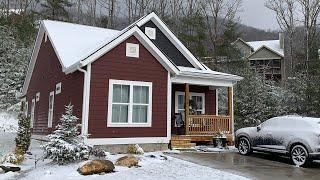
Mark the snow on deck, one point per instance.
(73, 42)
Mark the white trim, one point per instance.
(37, 96)
(174, 40)
(50, 118)
(144, 40)
(32, 112)
(169, 105)
(274, 58)
(133, 140)
(150, 32)
(232, 113)
(202, 81)
(85, 100)
(58, 88)
(130, 104)
(128, 50)
(265, 47)
(203, 95)
(27, 108)
(86, 124)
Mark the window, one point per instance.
(129, 104)
(197, 98)
(58, 88)
(132, 50)
(150, 32)
(37, 96)
(33, 104)
(50, 111)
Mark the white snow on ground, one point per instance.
(8, 122)
(152, 168)
(8, 129)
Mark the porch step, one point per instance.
(180, 141)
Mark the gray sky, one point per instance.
(255, 14)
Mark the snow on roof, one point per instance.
(73, 42)
(207, 72)
(272, 44)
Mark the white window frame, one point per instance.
(130, 108)
(190, 97)
(50, 118)
(148, 29)
(129, 46)
(37, 96)
(58, 88)
(32, 113)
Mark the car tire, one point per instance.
(299, 155)
(244, 146)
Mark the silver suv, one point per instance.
(295, 136)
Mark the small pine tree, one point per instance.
(23, 138)
(64, 146)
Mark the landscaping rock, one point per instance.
(7, 168)
(1, 171)
(127, 161)
(96, 167)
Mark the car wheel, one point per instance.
(299, 155)
(244, 146)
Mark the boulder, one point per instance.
(1, 171)
(96, 167)
(127, 161)
(7, 168)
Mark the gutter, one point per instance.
(85, 99)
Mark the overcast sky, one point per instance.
(255, 14)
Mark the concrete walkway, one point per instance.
(257, 166)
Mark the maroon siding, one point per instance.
(115, 65)
(47, 73)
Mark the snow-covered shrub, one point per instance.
(135, 149)
(16, 157)
(64, 144)
(23, 138)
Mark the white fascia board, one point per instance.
(265, 47)
(133, 140)
(202, 81)
(212, 76)
(145, 41)
(33, 59)
(173, 39)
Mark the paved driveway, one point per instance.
(257, 166)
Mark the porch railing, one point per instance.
(208, 124)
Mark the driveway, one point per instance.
(257, 166)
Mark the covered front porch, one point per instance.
(196, 115)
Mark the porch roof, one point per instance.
(205, 77)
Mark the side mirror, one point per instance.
(258, 128)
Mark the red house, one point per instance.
(127, 87)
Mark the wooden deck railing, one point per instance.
(207, 124)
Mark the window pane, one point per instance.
(125, 93)
(121, 93)
(116, 93)
(141, 94)
(119, 113)
(180, 101)
(140, 114)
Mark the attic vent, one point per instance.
(132, 50)
(150, 32)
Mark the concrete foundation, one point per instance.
(123, 148)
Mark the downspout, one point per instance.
(84, 113)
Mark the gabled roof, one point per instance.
(267, 48)
(73, 42)
(242, 41)
(78, 45)
(273, 45)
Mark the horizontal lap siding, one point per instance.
(47, 73)
(115, 65)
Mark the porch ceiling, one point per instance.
(180, 79)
